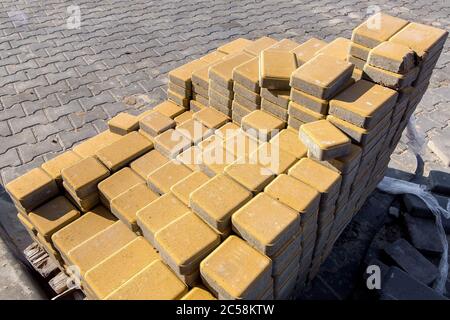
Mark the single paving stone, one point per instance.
(439, 182)
(412, 261)
(424, 234)
(416, 207)
(398, 285)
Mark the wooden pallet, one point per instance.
(51, 272)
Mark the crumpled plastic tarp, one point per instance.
(396, 186)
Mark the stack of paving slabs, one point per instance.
(80, 182)
(275, 69)
(123, 123)
(282, 244)
(377, 29)
(307, 50)
(364, 112)
(392, 65)
(221, 84)
(427, 43)
(246, 89)
(200, 81)
(191, 204)
(327, 182)
(313, 85)
(180, 82)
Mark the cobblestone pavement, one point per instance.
(59, 86)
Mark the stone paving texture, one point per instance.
(59, 86)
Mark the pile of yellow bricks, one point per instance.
(243, 195)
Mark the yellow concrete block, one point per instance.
(52, 216)
(84, 204)
(169, 109)
(322, 76)
(184, 92)
(83, 228)
(54, 166)
(234, 46)
(117, 183)
(270, 156)
(235, 270)
(295, 194)
(195, 107)
(181, 76)
(213, 56)
(213, 159)
(127, 204)
(186, 186)
(278, 97)
(101, 245)
(359, 51)
(166, 176)
(227, 130)
(32, 189)
(184, 242)
(262, 125)
(217, 200)
(338, 48)
(121, 266)
(82, 178)
(324, 141)
(198, 293)
(347, 163)
(190, 158)
(90, 147)
(48, 247)
(378, 28)
(221, 72)
(363, 103)
(247, 74)
(123, 123)
(185, 116)
(307, 50)
(266, 223)
(171, 143)
(120, 153)
(316, 175)
(303, 114)
(178, 99)
(194, 130)
(424, 40)
(259, 45)
(148, 163)
(241, 144)
(252, 176)
(156, 123)
(275, 69)
(288, 141)
(212, 140)
(158, 214)
(154, 282)
(211, 118)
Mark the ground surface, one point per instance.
(60, 86)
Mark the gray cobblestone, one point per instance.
(18, 124)
(70, 138)
(9, 158)
(28, 152)
(24, 137)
